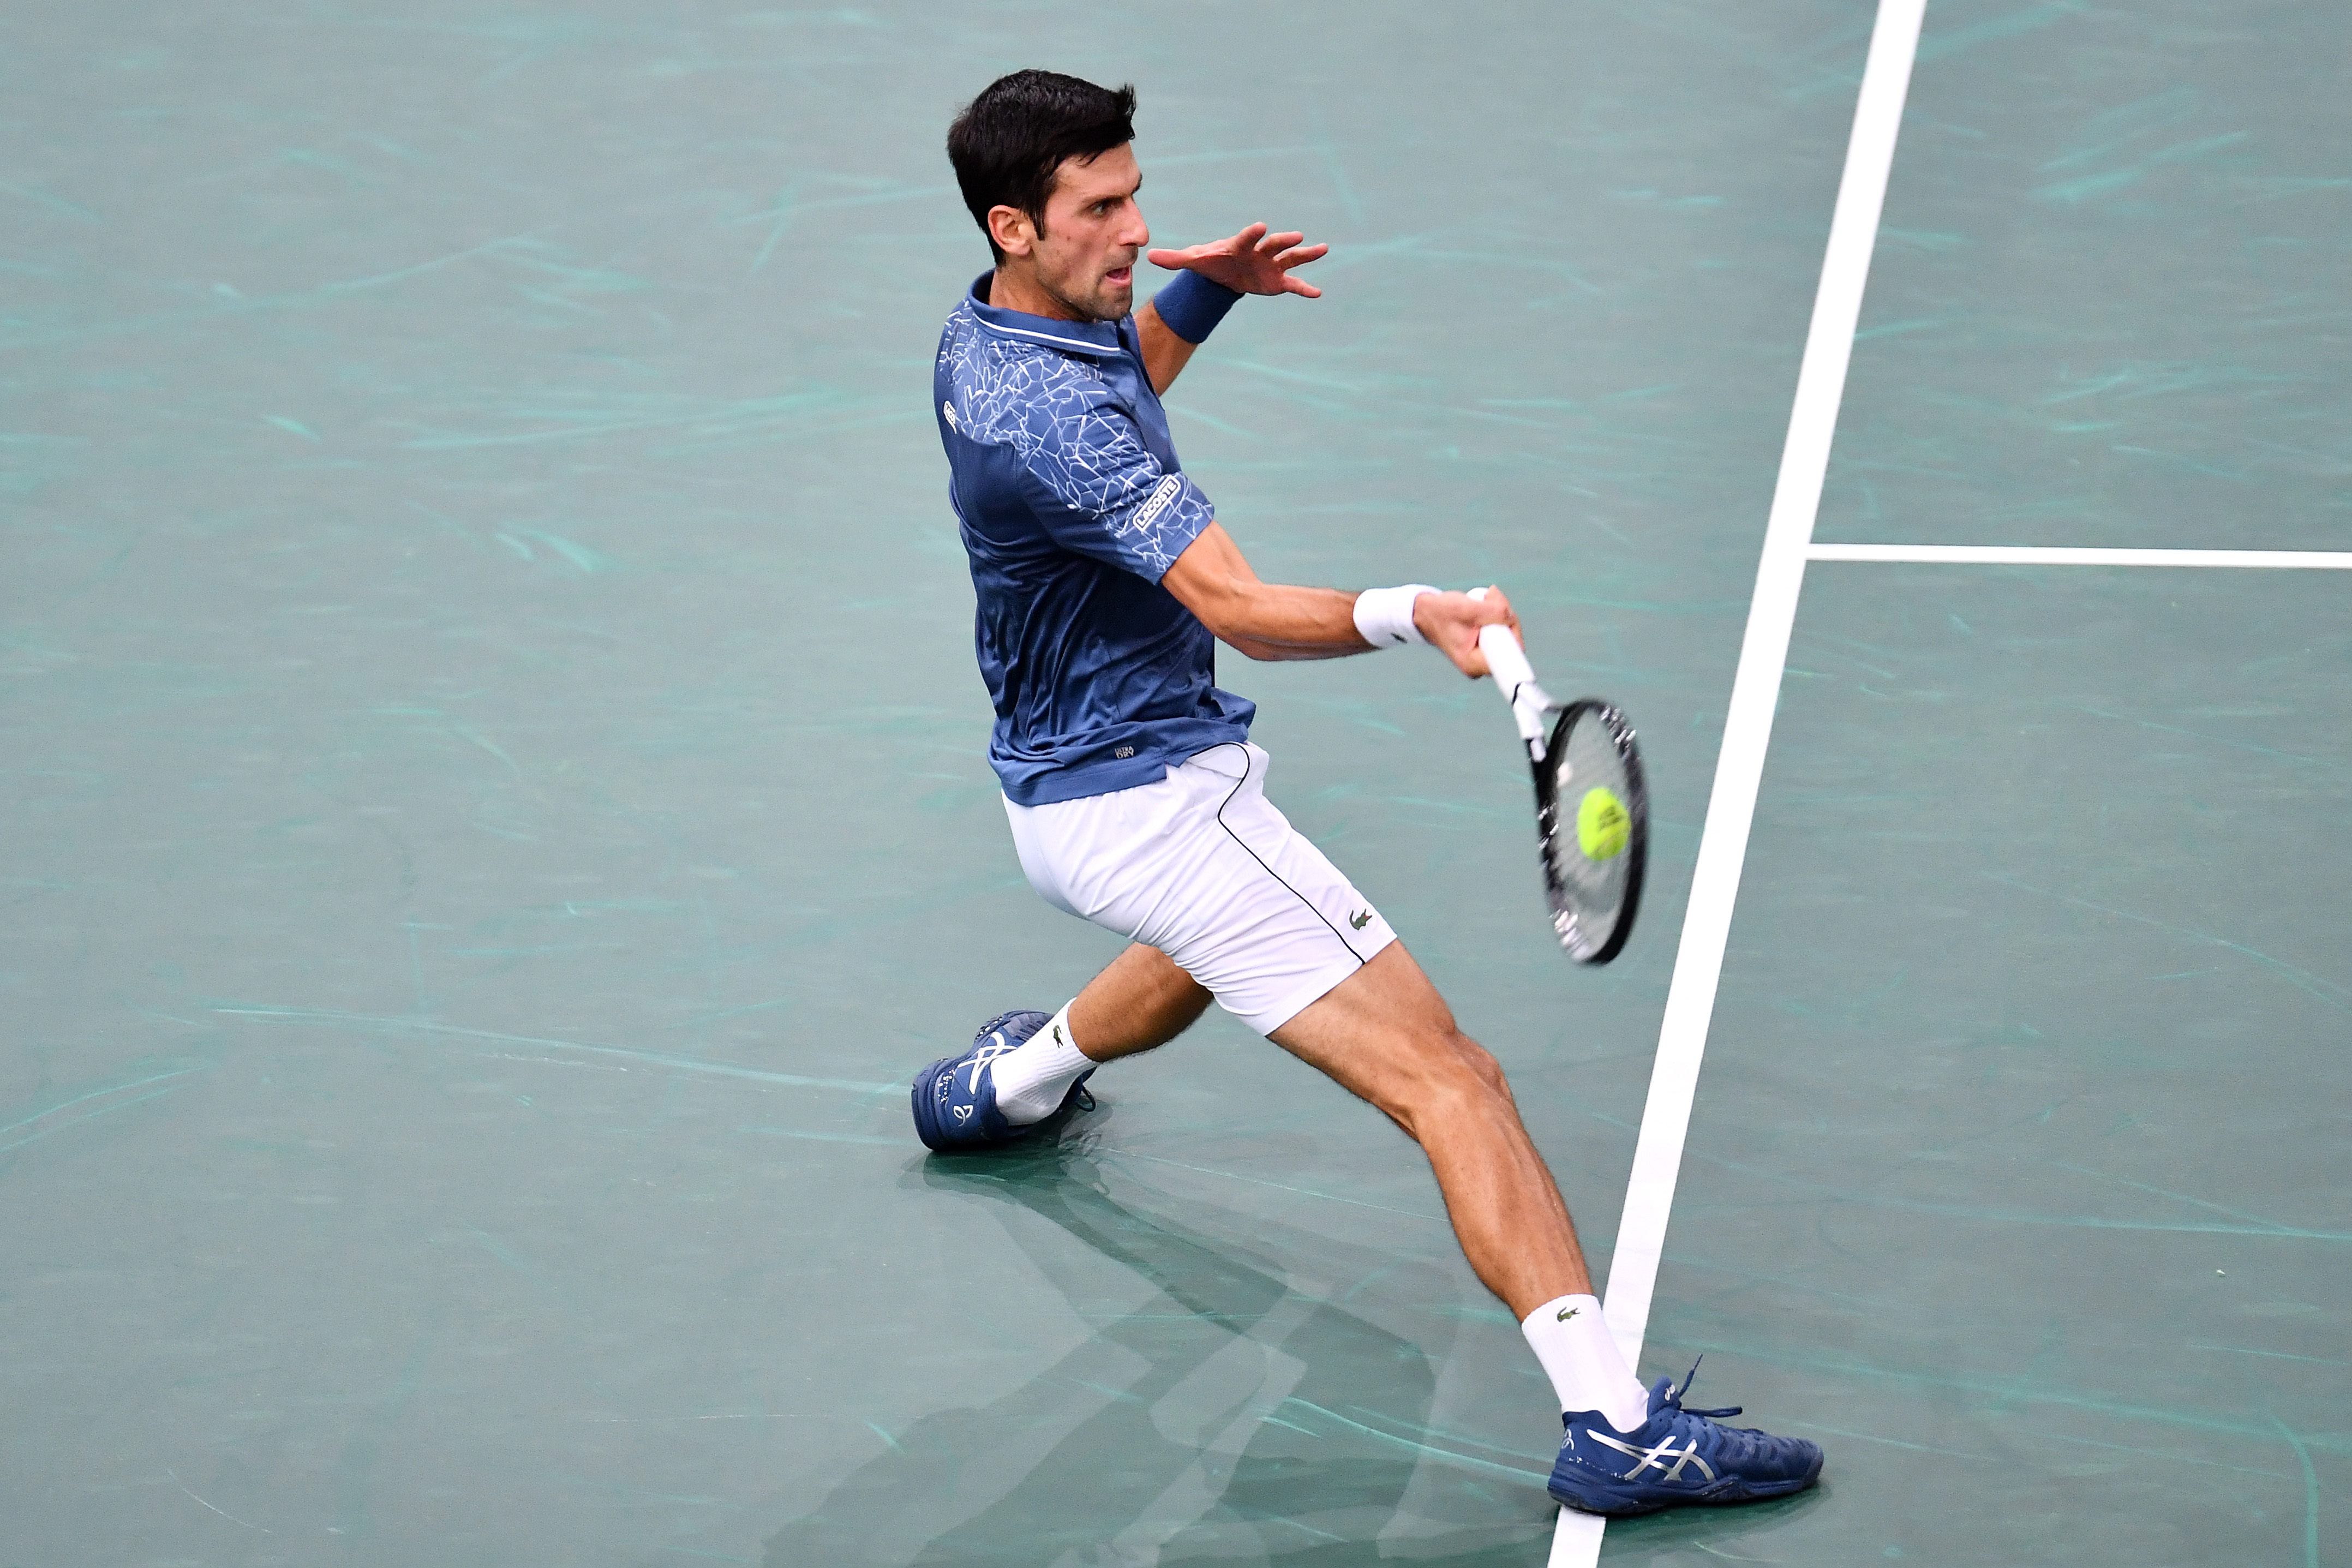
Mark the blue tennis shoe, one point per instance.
(954, 1099)
(1675, 1458)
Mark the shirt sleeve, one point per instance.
(1098, 490)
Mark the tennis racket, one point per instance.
(1592, 808)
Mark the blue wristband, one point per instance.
(1191, 306)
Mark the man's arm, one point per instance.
(1273, 621)
(1251, 262)
(1164, 353)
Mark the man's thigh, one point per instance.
(1381, 1034)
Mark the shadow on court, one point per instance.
(1241, 1414)
(1735, 1534)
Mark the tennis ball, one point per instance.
(1602, 825)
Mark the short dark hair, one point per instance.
(1008, 142)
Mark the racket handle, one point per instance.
(1514, 678)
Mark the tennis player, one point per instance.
(1136, 799)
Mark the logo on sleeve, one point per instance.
(947, 410)
(1164, 496)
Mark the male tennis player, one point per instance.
(1136, 799)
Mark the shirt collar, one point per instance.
(1071, 337)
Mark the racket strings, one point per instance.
(1590, 830)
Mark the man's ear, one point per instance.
(1012, 230)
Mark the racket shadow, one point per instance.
(1232, 1416)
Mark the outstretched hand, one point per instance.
(1251, 262)
(1451, 622)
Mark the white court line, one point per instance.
(1755, 692)
(2067, 555)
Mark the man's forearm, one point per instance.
(1164, 353)
(1178, 320)
(1275, 621)
(1262, 620)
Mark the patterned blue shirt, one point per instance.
(1073, 507)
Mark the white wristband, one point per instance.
(1384, 616)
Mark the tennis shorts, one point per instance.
(1204, 868)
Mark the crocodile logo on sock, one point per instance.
(1361, 919)
(1057, 1034)
(1567, 1312)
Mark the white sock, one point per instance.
(1586, 1370)
(1033, 1077)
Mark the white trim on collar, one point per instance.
(980, 311)
(1082, 345)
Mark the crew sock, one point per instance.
(1573, 1343)
(1034, 1077)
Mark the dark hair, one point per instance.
(1009, 142)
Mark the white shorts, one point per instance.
(1202, 867)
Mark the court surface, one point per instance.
(495, 803)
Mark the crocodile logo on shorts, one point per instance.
(1361, 919)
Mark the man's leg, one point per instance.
(1385, 1035)
(1141, 1002)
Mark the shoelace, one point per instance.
(1674, 1399)
(1734, 1445)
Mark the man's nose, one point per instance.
(1137, 233)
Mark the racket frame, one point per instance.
(1544, 724)
(1543, 760)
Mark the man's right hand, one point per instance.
(1452, 621)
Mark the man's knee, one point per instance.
(1482, 1063)
(1454, 1075)
(1479, 1063)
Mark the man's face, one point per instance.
(1093, 234)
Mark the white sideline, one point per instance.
(1755, 691)
(2067, 555)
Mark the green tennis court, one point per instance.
(496, 802)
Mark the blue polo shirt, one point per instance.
(1073, 507)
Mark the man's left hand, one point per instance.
(1251, 262)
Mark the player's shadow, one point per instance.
(1231, 1417)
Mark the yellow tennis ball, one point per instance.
(1601, 825)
